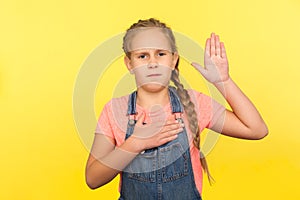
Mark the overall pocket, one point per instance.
(143, 167)
(174, 160)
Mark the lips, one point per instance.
(153, 75)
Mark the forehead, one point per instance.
(149, 38)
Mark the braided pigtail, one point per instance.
(189, 108)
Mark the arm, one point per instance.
(244, 121)
(106, 161)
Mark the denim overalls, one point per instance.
(164, 172)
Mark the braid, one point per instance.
(189, 108)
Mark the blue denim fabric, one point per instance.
(161, 173)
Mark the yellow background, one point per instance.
(44, 43)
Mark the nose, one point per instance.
(152, 63)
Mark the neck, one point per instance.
(148, 99)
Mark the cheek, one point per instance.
(139, 63)
(169, 62)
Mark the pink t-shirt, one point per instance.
(113, 123)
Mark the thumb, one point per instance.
(139, 121)
(201, 69)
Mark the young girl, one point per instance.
(152, 136)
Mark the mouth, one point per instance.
(153, 75)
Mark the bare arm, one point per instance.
(244, 121)
(106, 161)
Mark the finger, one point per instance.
(223, 51)
(163, 125)
(201, 69)
(207, 47)
(168, 139)
(170, 132)
(175, 131)
(142, 130)
(212, 45)
(218, 50)
(172, 128)
(139, 121)
(171, 122)
(167, 123)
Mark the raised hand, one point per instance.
(215, 68)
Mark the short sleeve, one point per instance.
(208, 110)
(104, 124)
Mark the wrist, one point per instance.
(223, 82)
(224, 86)
(133, 145)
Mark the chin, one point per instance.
(153, 87)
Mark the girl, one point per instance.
(152, 136)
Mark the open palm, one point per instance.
(215, 68)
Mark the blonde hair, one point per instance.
(130, 33)
(188, 105)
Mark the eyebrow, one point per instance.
(139, 53)
(147, 51)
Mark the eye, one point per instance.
(162, 54)
(142, 56)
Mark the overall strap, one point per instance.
(132, 104)
(131, 113)
(175, 101)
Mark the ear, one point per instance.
(175, 59)
(127, 62)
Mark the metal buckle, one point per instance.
(178, 117)
(131, 121)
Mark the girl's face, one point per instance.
(151, 62)
(152, 67)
